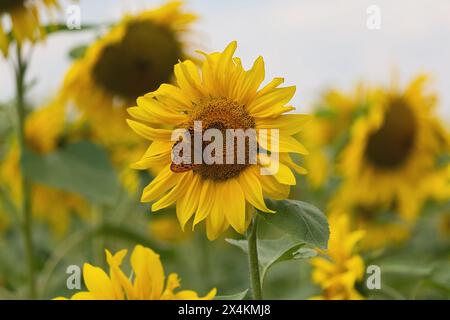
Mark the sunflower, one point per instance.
(337, 276)
(393, 151)
(146, 282)
(134, 57)
(323, 136)
(43, 130)
(224, 96)
(383, 227)
(166, 229)
(25, 20)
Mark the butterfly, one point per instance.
(183, 167)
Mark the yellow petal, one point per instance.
(148, 132)
(224, 64)
(118, 278)
(188, 79)
(84, 296)
(148, 273)
(284, 175)
(173, 96)
(250, 83)
(187, 204)
(273, 188)
(165, 180)
(233, 196)
(158, 112)
(206, 201)
(290, 124)
(286, 159)
(98, 282)
(149, 162)
(174, 194)
(192, 295)
(215, 221)
(285, 143)
(270, 86)
(272, 99)
(252, 190)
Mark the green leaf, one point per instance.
(304, 253)
(78, 52)
(299, 219)
(82, 168)
(236, 296)
(271, 252)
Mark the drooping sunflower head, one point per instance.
(393, 149)
(136, 56)
(223, 97)
(25, 20)
(148, 283)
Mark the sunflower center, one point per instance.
(222, 114)
(390, 146)
(7, 5)
(138, 64)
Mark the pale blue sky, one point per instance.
(313, 44)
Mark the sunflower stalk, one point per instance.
(27, 219)
(253, 264)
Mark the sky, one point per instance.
(314, 45)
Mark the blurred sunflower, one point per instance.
(337, 276)
(382, 228)
(166, 229)
(146, 282)
(324, 135)
(134, 57)
(43, 129)
(25, 20)
(393, 151)
(225, 96)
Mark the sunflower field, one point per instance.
(319, 164)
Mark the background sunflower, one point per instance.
(24, 19)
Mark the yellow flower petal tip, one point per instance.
(148, 282)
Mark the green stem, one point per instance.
(27, 222)
(253, 264)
